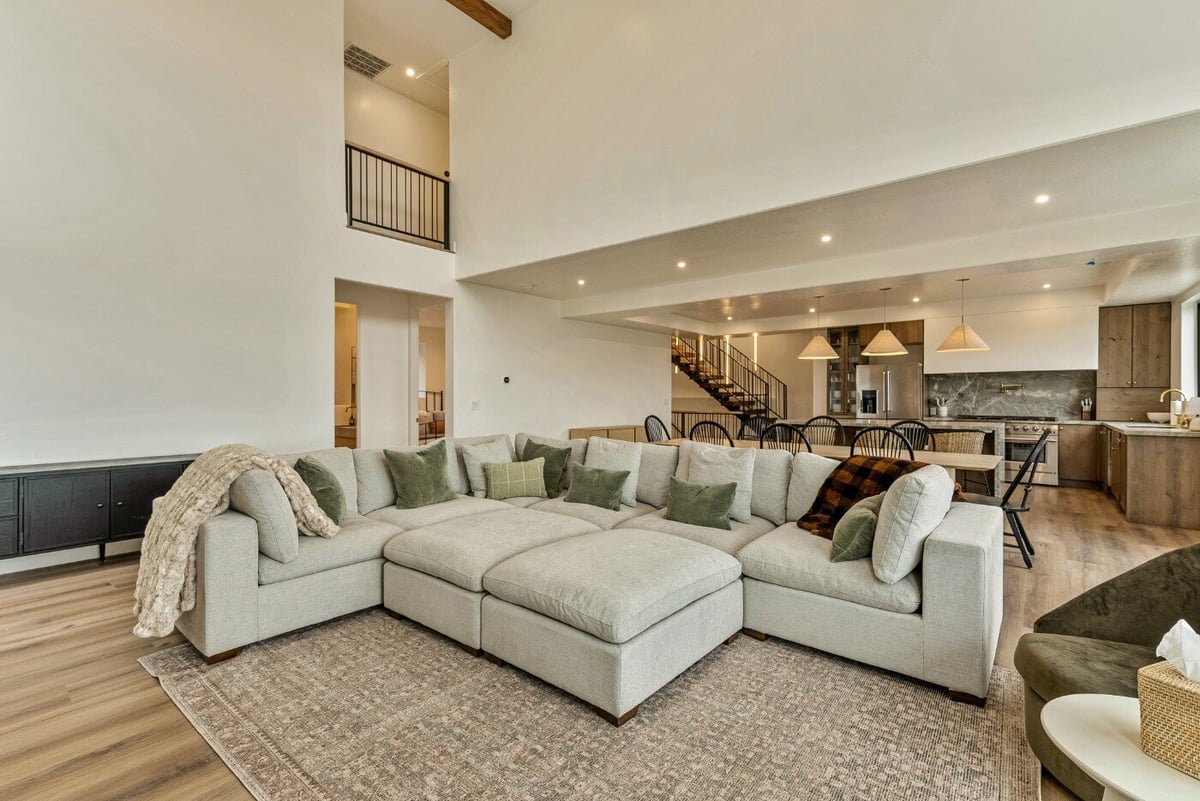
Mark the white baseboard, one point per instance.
(88, 553)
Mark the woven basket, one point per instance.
(1170, 717)
(958, 441)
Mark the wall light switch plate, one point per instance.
(474, 406)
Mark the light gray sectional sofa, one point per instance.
(607, 605)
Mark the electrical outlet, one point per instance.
(474, 406)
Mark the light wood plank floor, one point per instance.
(80, 719)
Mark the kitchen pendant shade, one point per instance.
(884, 344)
(818, 348)
(962, 339)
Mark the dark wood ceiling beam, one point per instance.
(486, 15)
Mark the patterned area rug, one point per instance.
(367, 707)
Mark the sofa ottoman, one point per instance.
(613, 616)
(434, 575)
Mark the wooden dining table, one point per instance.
(952, 462)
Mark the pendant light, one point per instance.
(962, 339)
(884, 343)
(818, 347)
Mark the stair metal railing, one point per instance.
(386, 194)
(766, 390)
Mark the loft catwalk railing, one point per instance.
(382, 193)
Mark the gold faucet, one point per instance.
(1176, 419)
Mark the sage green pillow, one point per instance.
(324, 486)
(556, 460)
(705, 505)
(421, 477)
(597, 487)
(516, 479)
(854, 535)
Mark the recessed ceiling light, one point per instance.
(728, 317)
(1041, 199)
(916, 300)
(826, 238)
(530, 286)
(681, 264)
(410, 72)
(1045, 286)
(813, 309)
(581, 282)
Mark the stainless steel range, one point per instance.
(1020, 435)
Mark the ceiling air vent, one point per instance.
(362, 62)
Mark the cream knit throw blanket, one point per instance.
(166, 583)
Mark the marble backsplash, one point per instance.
(1052, 393)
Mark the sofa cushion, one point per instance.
(523, 503)
(700, 504)
(555, 462)
(857, 477)
(792, 557)
(460, 506)
(375, 487)
(474, 455)
(658, 466)
(854, 535)
(421, 476)
(340, 462)
(615, 454)
(604, 518)
(361, 539)
(323, 484)
(515, 479)
(460, 551)
(809, 472)
(578, 450)
(719, 464)
(912, 508)
(1059, 664)
(769, 489)
(737, 537)
(598, 487)
(258, 494)
(612, 584)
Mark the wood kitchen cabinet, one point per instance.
(1077, 452)
(1117, 466)
(1135, 346)
(909, 332)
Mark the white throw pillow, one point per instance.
(655, 472)
(809, 472)
(772, 475)
(475, 456)
(912, 508)
(615, 454)
(718, 464)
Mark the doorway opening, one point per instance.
(432, 395)
(345, 372)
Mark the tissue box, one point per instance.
(1170, 705)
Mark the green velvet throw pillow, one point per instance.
(421, 477)
(556, 460)
(516, 479)
(854, 535)
(324, 486)
(705, 505)
(597, 487)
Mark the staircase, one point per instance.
(731, 377)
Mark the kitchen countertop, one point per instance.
(1150, 430)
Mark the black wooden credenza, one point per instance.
(50, 507)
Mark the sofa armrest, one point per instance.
(1138, 607)
(226, 612)
(962, 597)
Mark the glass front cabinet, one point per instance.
(843, 371)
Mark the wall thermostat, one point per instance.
(506, 379)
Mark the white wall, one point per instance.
(1057, 338)
(563, 373)
(590, 126)
(392, 124)
(434, 340)
(688, 396)
(777, 354)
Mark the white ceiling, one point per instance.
(1098, 184)
(418, 34)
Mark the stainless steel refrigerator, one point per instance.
(891, 391)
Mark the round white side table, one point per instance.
(1102, 735)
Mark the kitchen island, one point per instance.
(1153, 472)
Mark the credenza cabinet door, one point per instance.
(64, 510)
(133, 492)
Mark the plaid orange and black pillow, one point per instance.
(854, 479)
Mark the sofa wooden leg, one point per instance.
(732, 637)
(221, 657)
(475, 652)
(758, 635)
(967, 698)
(619, 721)
(394, 615)
(495, 660)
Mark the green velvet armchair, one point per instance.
(1096, 642)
